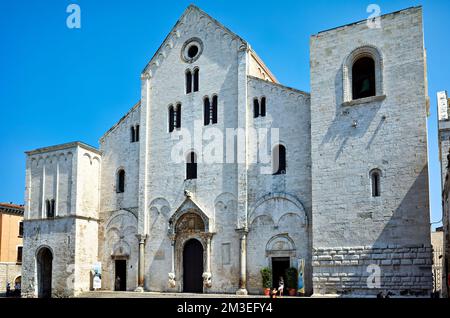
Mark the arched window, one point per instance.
(263, 107)
(363, 78)
(171, 118)
(279, 160)
(214, 109)
(206, 111)
(133, 134)
(121, 181)
(188, 82)
(255, 108)
(196, 79)
(375, 180)
(191, 166)
(137, 133)
(178, 116)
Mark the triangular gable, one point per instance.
(190, 14)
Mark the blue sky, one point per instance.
(59, 85)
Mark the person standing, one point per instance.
(117, 283)
(281, 286)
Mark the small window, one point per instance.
(133, 134)
(210, 110)
(191, 166)
(121, 181)
(20, 229)
(196, 80)
(363, 78)
(178, 116)
(279, 160)
(375, 179)
(188, 82)
(263, 107)
(19, 254)
(53, 207)
(255, 108)
(206, 111)
(50, 208)
(214, 109)
(137, 133)
(171, 118)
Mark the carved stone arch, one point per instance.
(188, 206)
(280, 245)
(44, 246)
(160, 206)
(366, 50)
(88, 156)
(295, 215)
(296, 204)
(225, 201)
(120, 235)
(119, 214)
(263, 219)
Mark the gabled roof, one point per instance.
(62, 147)
(190, 9)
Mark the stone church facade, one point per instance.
(348, 197)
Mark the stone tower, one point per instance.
(369, 157)
(61, 220)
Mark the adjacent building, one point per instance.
(444, 155)
(333, 182)
(437, 241)
(11, 245)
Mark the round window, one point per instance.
(192, 49)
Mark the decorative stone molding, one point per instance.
(207, 283)
(367, 50)
(172, 280)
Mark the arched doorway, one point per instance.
(193, 267)
(44, 272)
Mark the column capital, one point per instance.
(242, 231)
(142, 238)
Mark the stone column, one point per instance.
(243, 264)
(172, 277)
(207, 274)
(141, 265)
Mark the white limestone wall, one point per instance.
(118, 211)
(88, 188)
(86, 253)
(59, 236)
(218, 66)
(68, 174)
(279, 206)
(49, 176)
(348, 141)
(118, 152)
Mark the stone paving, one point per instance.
(112, 294)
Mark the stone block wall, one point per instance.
(355, 270)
